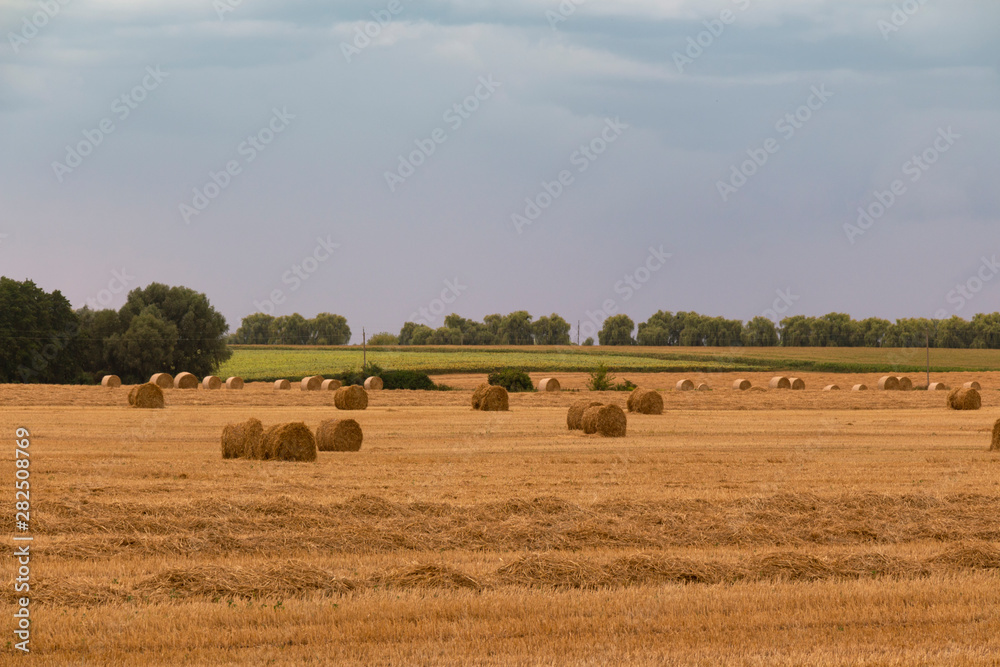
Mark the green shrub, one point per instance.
(600, 379)
(627, 385)
(390, 379)
(589, 342)
(383, 338)
(511, 379)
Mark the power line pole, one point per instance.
(364, 349)
(928, 359)
(578, 333)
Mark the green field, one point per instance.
(261, 363)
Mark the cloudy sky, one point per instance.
(483, 157)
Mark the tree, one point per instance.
(473, 333)
(38, 335)
(515, 329)
(200, 346)
(414, 334)
(617, 330)
(445, 336)
(97, 328)
(551, 330)
(329, 329)
(383, 338)
(255, 329)
(290, 330)
(149, 343)
(759, 332)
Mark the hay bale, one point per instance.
(797, 384)
(146, 396)
(282, 385)
(289, 442)
(373, 384)
(741, 385)
(234, 383)
(937, 386)
(111, 381)
(574, 418)
(684, 385)
(780, 382)
(477, 395)
(964, 399)
(608, 421)
(860, 387)
(243, 440)
(162, 380)
(331, 385)
(831, 387)
(905, 383)
(973, 385)
(185, 381)
(995, 444)
(645, 402)
(339, 435)
(353, 397)
(212, 382)
(495, 400)
(311, 383)
(888, 383)
(704, 387)
(549, 384)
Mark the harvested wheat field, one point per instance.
(764, 528)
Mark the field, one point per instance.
(265, 363)
(757, 528)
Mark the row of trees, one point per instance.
(261, 329)
(159, 328)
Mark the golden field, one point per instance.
(753, 528)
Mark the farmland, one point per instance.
(264, 363)
(736, 528)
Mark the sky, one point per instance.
(394, 160)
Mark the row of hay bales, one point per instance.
(182, 381)
(289, 442)
(150, 395)
(596, 418)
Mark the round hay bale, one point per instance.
(888, 383)
(331, 385)
(797, 384)
(685, 385)
(212, 382)
(373, 384)
(964, 399)
(905, 383)
(704, 387)
(831, 387)
(995, 444)
(234, 383)
(111, 381)
(162, 380)
(477, 395)
(646, 402)
(549, 384)
(973, 385)
(339, 435)
(289, 442)
(243, 440)
(185, 381)
(351, 398)
(860, 387)
(311, 383)
(495, 400)
(282, 385)
(937, 386)
(574, 418)
(608, 421)
(741, 385)
(780, 383)
(146, 396)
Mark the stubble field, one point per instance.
(737, 528)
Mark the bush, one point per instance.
(627, 385)
(511, 379)
(589, 342)
(600, 379)
(383, 338)
(390, 379)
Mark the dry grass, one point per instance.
(744, 528)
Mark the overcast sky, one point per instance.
(626, 122)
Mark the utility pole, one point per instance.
(578, 333)
(928, 358)
(364, 349)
